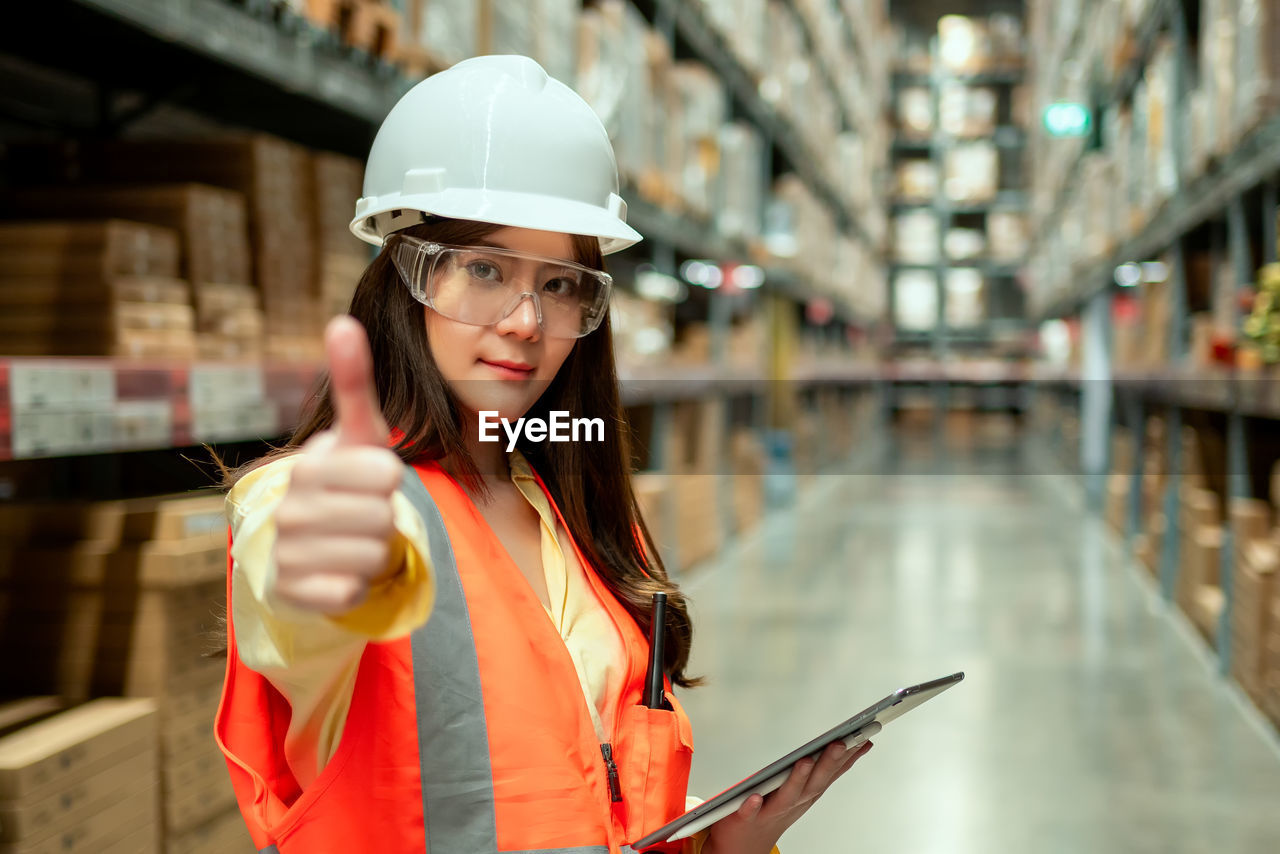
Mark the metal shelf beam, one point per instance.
(291, 61)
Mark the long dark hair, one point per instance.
(591, 485)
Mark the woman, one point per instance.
(437, 646)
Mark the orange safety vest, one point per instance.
(470, 736)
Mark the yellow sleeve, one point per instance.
(310, 658)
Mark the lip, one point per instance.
(509, 370)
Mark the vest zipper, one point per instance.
(611, 768)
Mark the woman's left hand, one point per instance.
(760, 822)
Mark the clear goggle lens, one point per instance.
(480, 286)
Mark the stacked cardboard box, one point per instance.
(213, 227)
(916, 238)
(82, 781)
(340, 257)
(966, 111)
(1256, 562)
(1150, 541)
(915, 112)
(1007, 236)
(917, 181)
(1118, 484)
(1117, 501)
(741, 186)
(653, 494)
(1271, 664)
(371, 26)
(93, 288)
(275, 178)
(747, 485)
(694, 455)
(1237, 89)
(130, 608)
(448, 29)
(1201, 529)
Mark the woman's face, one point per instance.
(507, 366)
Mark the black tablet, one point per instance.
(855, 730)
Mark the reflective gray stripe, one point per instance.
(270, 849)
(453, 743)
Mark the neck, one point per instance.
(490, 458)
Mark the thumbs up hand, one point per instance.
(334, 525)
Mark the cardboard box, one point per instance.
(63, 749)
(1206, 614)
(159, 564)
(197, 803)
(119, 640)
(1117, 512)
(128, 828)
(20, 297)
(1250, 521)
(697, 518)
(1256, 569)
(273, 176)
(223, 834)
(110, 523)
(212, 221)
(98, 249)
(337, 183)
(113, 783)
(16, 714)
(653, 494)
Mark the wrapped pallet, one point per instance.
(740, 181)
(916, 238)
(917, 180)
(971, 172)
(451, 29)
(1257, 63)
(1218, 69)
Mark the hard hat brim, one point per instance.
(375, 217)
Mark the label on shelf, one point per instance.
(259, 420)
(142, 424)
(55, 385)
(225, 386)
(40, 433)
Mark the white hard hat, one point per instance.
(494, 139)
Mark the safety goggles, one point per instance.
(479, 285)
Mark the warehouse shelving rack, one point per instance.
(251, 64)
(1010, 140)
(1236, 200)
(995, 389)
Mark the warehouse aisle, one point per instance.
(1088, 722)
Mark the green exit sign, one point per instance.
(1065, 118)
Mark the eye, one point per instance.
(484, 271)
(561, 287)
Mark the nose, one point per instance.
(524, 319)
